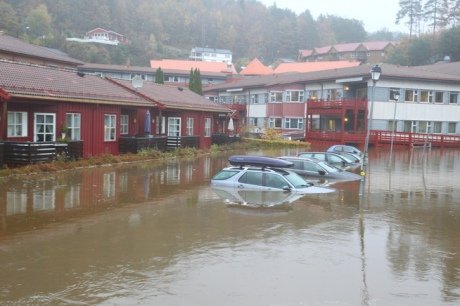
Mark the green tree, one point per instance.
(198, 83)
(159, 76)
(39, 23)
(432, 13)
(9, 21)
(449, 44)
(411, 9)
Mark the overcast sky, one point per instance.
(375, 14)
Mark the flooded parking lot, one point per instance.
(158, 234)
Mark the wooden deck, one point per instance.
(379, 138)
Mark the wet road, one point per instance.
(157, 234)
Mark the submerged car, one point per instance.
(337, 160)
(265, 174)
(345, 149)
(314, 168)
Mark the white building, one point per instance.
(211, 55)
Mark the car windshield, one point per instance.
(225, 174)
(296, 180)
(347, 159)
(328, 168)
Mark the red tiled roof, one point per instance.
(39, 82)
(313, 66)
(255, 67)
(346, 47)
(176, 97)
(185, 66)
(376, 45)
(9, 44)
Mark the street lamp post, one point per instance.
(396, 99)
(376, 71)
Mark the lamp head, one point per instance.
(376, 72)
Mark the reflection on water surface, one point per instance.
(152, 233)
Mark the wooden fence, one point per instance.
(21, 153)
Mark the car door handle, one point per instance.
(240, 186)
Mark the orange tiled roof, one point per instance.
(185, 66)
(313, 66)
(255, 67)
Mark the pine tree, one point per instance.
(191, 80)
(198, 83)
(411, 9)
(159, 77)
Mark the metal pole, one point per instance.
(364, 161)
(394, 128)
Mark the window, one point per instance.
(274, 123)
(452, 128)
(17, 124)
(294, 96)
(124, 124)
(207, 127)
(174, 126)
(73, 121)
(438, 97)
(174, 79)
(313, 95)
(276, 96)
(437, 127)
(109, 127)
(393, 93)
(426, 96)
(253, 178)
(293, 123)
(453, 97)
(411, 95)
(189, 126)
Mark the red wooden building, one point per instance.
(38, 104)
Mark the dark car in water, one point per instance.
(314, 168)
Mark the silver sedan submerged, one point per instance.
(265, 179)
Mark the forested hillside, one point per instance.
(169, 29)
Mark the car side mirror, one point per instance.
(287, 188)
(321, 172)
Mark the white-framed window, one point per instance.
(276, 96)
(124, 124)
(174, 126)
(17, 124)
(207, 127)
(275, 123)
(44, 127)
(73, 121)
(294, 95)
(426, 96)
(190, 122)
(110, 127)
(437, 127)
(174, 79)
(411, 95)
(453, 97)
(452, 127)
(293, 123)
(438, 97)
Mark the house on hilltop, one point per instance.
(365, 52)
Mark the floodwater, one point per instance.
(157, 234)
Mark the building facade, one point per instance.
(211, 55)
(336, 105)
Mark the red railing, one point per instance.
(384, 138)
